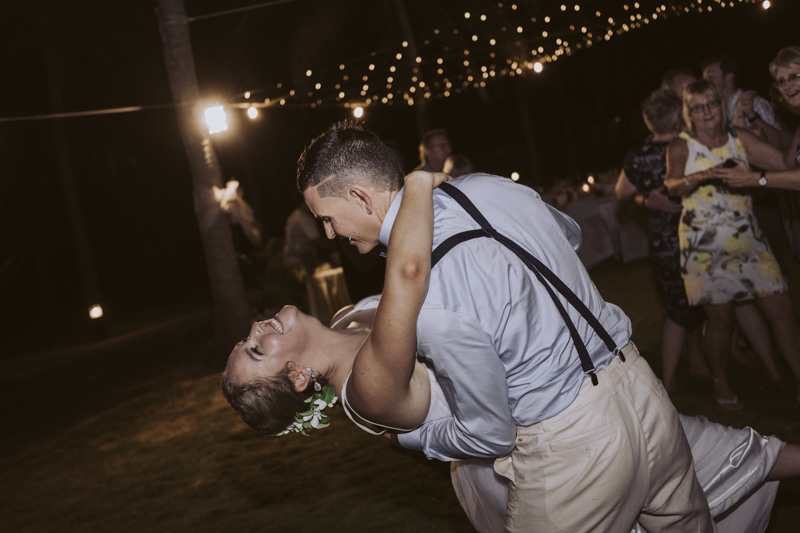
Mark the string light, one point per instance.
(216, 120)
(500, 34)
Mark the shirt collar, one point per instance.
(388, 221)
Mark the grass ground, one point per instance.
(134, 435)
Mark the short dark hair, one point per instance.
(347, 153)
(426, 138)
(726, 64)
(669, 76)
(268, 404)
(662, 111)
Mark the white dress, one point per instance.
(731, 466)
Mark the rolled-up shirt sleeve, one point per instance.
(474, 382)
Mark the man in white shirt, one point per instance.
(745, 108)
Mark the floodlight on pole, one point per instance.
(216, 120)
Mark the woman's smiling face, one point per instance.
(787, 81)
(271, 345)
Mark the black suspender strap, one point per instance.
(543, 274)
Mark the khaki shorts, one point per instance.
(615, 456)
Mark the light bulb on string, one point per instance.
(252, 112)
(216, 120)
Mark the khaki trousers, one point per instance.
(616, 455)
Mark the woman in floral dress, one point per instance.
(725, 257)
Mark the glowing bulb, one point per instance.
(247, 95)
(95, 311)
(585, 187)
(537, 67)
(358, 112)
(515, 176)
(466, 15)
(216, 119)
(590, 180)
(765, 4)
(308, 73)
(252, 112)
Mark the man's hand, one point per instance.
(657, 200)
(744, 107)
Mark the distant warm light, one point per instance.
(247, 95)
(537, 67)
(590, 180)
(466, 15)
(358, 112)
(252, 112)
(95, 311)
(216, 120)
(765, 4)
(308, 73)
(585, 187)
(515, 176)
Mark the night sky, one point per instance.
(130, 171)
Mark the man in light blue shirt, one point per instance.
(578, 457)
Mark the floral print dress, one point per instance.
(724, 255)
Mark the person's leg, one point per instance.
(718, 346)
(672, 337)
(778, 310)
(694, 346)
(756, 331)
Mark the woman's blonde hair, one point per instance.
(707, 89)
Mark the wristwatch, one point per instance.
(762, 181)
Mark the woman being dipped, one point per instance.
(725, 257)
(270, 374)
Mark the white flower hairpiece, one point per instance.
(314, 417)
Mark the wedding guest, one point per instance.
(677, 79)
(725, 257)
(642, 178)
(785, 70)
(434, 149)
(744, 109)
(458, 165)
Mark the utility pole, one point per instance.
(231, 308)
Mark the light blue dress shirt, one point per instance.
(490, 330)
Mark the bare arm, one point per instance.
(759, 152)
(676, 182)
(624, 188)
(386, 386)
(790, 154)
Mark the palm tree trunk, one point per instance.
(231, 309)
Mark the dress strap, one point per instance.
(349, 411)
